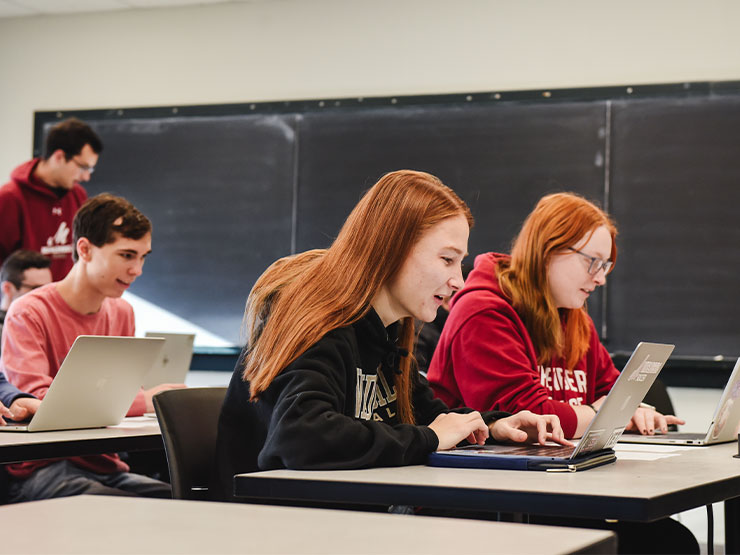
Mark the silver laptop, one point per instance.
(174, 362)
(96, 384)
(724, 427)
(595, 447)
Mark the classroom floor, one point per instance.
(694, 405)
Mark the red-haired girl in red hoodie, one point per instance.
(518, 335)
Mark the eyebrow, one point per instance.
(597, 255)
(458, 251)
(134, 251)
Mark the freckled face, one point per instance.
(567, 272)
(432, 272)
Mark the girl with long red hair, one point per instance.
(327, 380)
(518, 335)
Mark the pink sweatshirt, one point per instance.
(39, 330)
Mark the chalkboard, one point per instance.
(675, 176)
(500, 158)
(219, 193)
(232, 188)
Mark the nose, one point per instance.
(137, 268)
(85, 175)
(456, 282)
(600, 277)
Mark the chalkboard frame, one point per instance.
(700, 88)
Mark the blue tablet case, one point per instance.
(475, 456)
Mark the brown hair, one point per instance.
(17, 263)
(104, 217)
(558, 222)
(71, 136)
(337, 288)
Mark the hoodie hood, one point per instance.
(379, 344)
(483, 278)
(23, 176)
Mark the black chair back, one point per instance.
(188, 419)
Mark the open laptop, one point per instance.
(595, 447)
(96, 384)
(724, 427)
(174, 362)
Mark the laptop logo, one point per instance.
(647, 367)
(591, 440)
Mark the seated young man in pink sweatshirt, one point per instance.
(112, 239)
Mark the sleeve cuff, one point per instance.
(430, 437)
(492, 415)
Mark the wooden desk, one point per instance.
(632, 490)
(90, 524)
(133, 434)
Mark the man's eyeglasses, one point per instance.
(83, 167)
(595, 264)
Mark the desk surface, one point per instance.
(133, 434)
(89, 524)
(637, 490)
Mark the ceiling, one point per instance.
(20, 8)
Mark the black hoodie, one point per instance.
(333, 408)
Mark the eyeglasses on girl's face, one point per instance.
(595, 263)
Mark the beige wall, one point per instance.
(298, 49)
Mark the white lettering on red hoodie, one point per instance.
(485, 358)
(34, 217)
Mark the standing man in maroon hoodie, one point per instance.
(39, 202)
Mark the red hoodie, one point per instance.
(33, 216)
(485, 358)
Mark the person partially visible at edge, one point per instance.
(15, 404)
(327, 380)
(22, 271)
(112, 240)
(519, 336)
(39, 202)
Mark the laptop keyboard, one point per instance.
(17, 422)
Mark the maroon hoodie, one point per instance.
(485, 358)
(34, 217)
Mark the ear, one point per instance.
(58, 157)
(84, 249)
(9, 291)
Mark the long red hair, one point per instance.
(335, 288)
(559, 221)
(269, 285)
